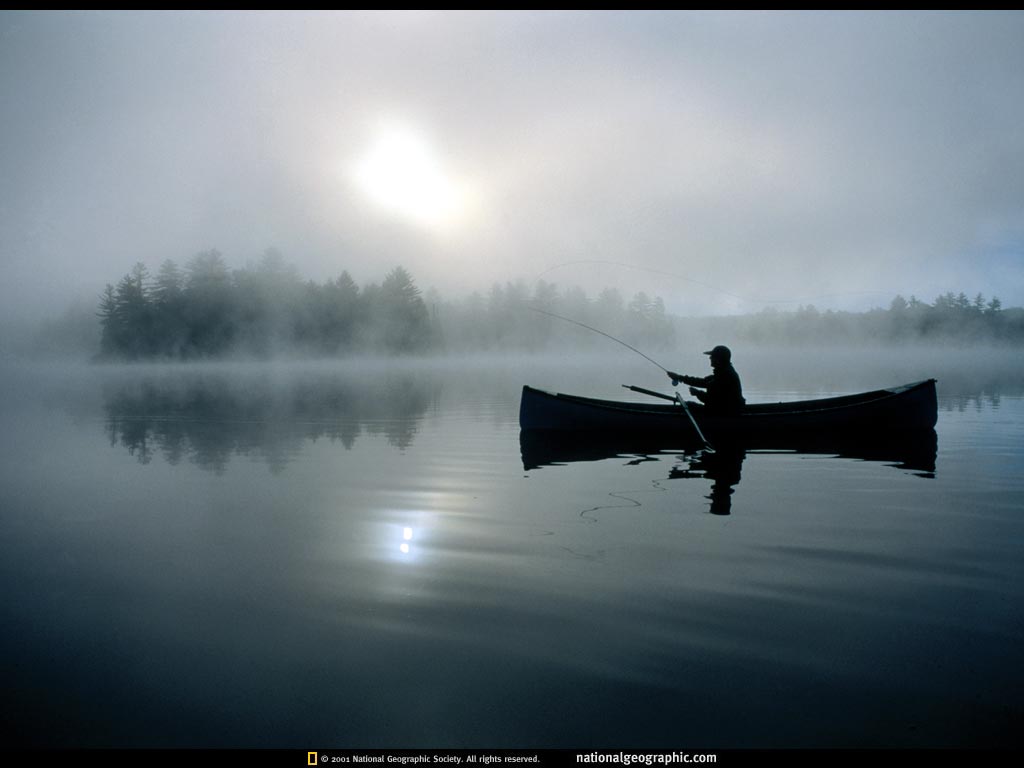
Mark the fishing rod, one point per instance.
(606, 335)
(677, 399)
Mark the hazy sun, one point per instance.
(401, 173)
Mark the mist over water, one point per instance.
(360, 552)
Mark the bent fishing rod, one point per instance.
(606, 335)
(675, 379)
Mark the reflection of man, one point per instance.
(723, 391)
(723, 469)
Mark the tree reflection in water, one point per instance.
(208, 418)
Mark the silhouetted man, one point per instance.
(721, 392)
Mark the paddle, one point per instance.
(677, 399)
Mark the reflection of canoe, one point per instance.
(911, 407)
(913, 450)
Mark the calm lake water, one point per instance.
(362, 555)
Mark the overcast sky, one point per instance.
(720, 160)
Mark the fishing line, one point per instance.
(708, 286)
(638, 269)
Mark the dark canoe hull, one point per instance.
(907, 409)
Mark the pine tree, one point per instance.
(406, 322)
(208, 304)
(109, 323)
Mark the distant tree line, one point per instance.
(950, 318)
(206, 310)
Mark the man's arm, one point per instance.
(693, 381)
(698, 381)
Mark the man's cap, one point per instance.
(719, 352)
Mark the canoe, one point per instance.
(905, 409)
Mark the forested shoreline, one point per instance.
(953, 318)
(205, 310)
